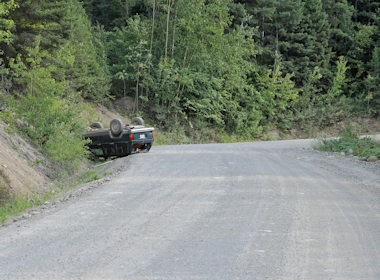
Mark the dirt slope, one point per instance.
(22, 167)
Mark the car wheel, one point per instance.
(138, 121)
(147, 147)
(96, 125)
(116, 127)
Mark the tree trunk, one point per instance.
(263, 33)
(125, 99)
(356, 10)
(137, 92)
(151, 37)
(151, 46)
(175, 18)
(167, 30)
(276, 37)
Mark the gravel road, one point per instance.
(264, 210)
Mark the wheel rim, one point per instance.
(115, 126)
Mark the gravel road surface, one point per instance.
(264, 210)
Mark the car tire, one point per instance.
(138, 121)
(116, 127)
(96, 125)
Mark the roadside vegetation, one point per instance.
(199, 71)
(351, 144)
(19, 204)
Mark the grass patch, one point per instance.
(11, 206)
(349, 142)
(4, 187)
(88, 177)
(16, 206)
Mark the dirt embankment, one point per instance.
(23, 168)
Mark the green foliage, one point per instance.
(15, 207)
(130, 56)
(362, 147)
(89, 176)
(36, 162)
(6, 24)
(335, 91)
(47, 118)
(66, 147)
(110, 13)
(4, 187)
(18, 204)
(8, 130)
(277, 97)
(61, 25)
(315, 110)
(198, 70)
(196, 132)
(89, 74)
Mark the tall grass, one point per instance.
(17, 205)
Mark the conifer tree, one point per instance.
(60, 23)
(104, 12)
(365, 10)
(262, 12)
(87, 75)
(277, 22)
(339, 14)
(310, 43)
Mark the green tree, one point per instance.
(371, 83)
(278, 95)
(339, 14)
(48, 118)
(200, 65)
(130, 56)
(108, 13)
(58, 23)
(89, 74)
(6, 24)
(309, 47)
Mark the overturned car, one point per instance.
(119, 140)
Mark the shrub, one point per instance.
(46, 107)
(363, 147)
(65, 147)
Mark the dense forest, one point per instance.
(236, 67)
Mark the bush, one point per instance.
(66, 147)
(45, 108)
(362, 147)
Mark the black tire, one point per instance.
(138, 121)
(96, 125)
(116, 127)
(148, 146)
